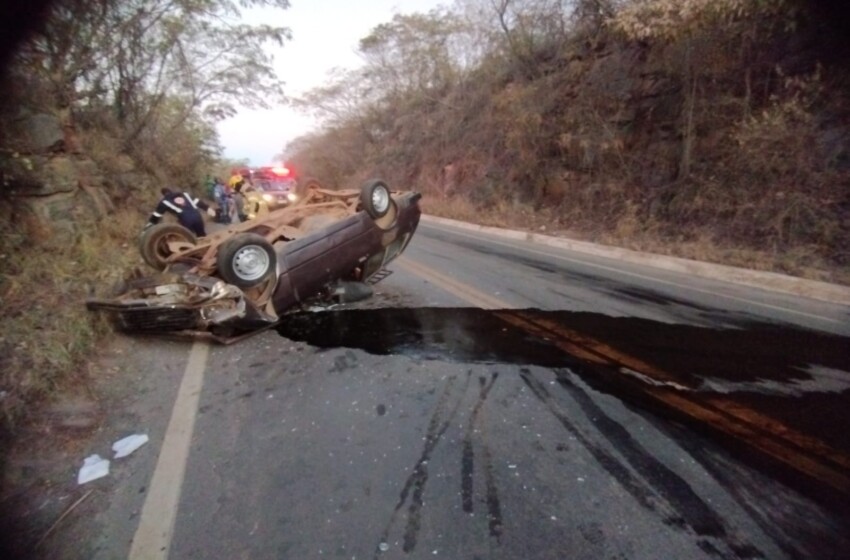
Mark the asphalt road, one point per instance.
(499, 400)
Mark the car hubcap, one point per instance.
(380, 199)
(251, 262)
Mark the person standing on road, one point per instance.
(236, 182)
(185, 207)
(223, 199)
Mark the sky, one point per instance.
(325, 34)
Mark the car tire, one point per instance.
(246, 261)
(375, 198)
(153, 243)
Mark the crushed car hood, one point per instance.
(173, 301)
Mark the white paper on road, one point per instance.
(94, 467)
(124, 447)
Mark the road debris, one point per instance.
(94, 467)
(129, 444)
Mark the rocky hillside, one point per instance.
(715, 130)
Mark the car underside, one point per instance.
(247, 276)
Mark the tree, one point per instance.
(706, 33)
(134, 55)
(412, 52)
(534, 30)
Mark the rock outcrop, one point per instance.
(47, 190)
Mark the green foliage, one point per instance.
(130, 52)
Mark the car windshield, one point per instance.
(275, 185)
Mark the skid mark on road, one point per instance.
(414, 486)
(494, 509)
(654, 365)
(605, 459)
(650, 482)
(674, 489)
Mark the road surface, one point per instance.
(495, 399)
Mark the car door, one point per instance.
(312, 262)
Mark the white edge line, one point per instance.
(156, 523)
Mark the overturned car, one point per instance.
(247, 276)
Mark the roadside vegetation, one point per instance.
(103, 103)
(715, 130)
(48, 336)
(712, 129)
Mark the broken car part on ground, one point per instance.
(245, 277)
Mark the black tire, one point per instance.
(153, 243)
(247, 260)
(375, 198)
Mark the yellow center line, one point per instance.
(771, 443)
(679, 285)
(602, 349)
(454, 287)
(773, 426)
(803, 453)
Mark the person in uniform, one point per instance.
(187, 209)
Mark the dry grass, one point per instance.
(802, 262)
(499, 214)
(739, 159)
(47, 333)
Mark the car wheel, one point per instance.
(153, 243)
(246, 260)
(375, 198)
